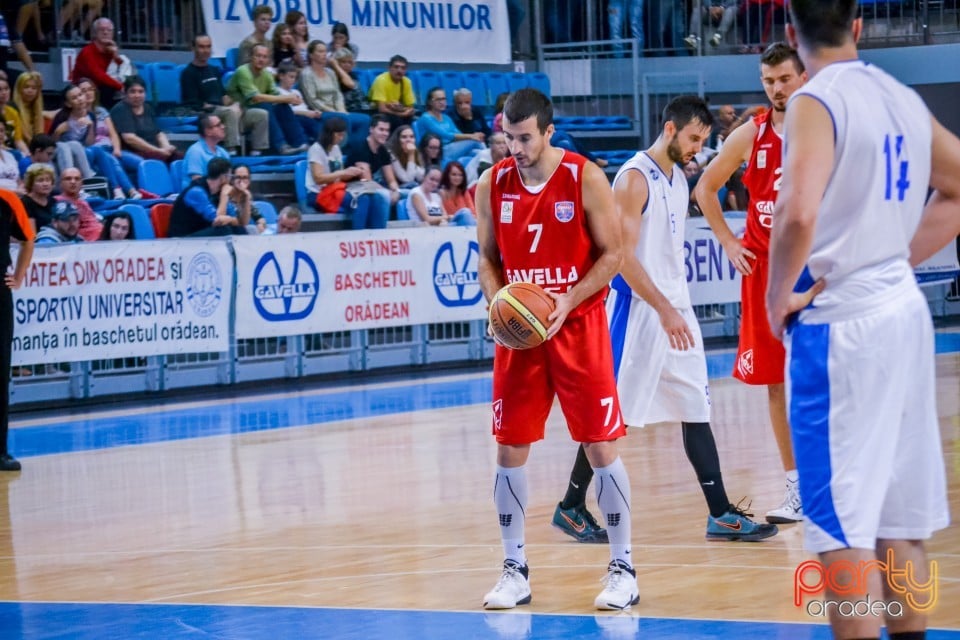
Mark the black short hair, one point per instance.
(41, 141)
(377, 118)
(823, 23)
(134, 81)
(218, 167)
(778, 53)
(683, 110)
(331, 126)
(529, 103)
(203, 122)
(398, 58)
(193, 43)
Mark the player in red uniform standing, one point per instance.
(549, 213)
(760, 355)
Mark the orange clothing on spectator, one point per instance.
(453, 202)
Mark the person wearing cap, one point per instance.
(14, 225)
(64, 225)
(71, 187)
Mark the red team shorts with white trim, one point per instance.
(760, 356)
(575, 365)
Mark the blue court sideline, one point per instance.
(82, 621)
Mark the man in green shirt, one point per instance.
(254, 87)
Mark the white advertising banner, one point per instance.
(712, 278)
(99, 300)
(337, 281)
(451, 31)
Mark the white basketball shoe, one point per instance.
(512, 588)
(791, 510)
(620, 589)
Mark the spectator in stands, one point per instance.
(455, 143)
(262, 19)
(457, 201)
(205, 208)
(308, 118)
(431, 150)
(406, 161)
(140, 135)
(243, 192)
(319, 84)
(9, 167)
(202, 91)
(42, 151)
(340, 39)
(10, 40)
(70, 16)
(38, 201)
(64, 226)
(28, 99)
(368, 210)
(284, 46)
(290, 219)
(106, 139)
(254, 87)
(71, 185)
(716, 15)
(74, 131)
(373, 157)
(632, 10)
(118, 226)
(93, 60)
(498, 110)
(486, 158)
(301, 34)
(667, 21)
(11, 118)
(354, 99)
(425, 201)
(759, 16)
(392, 93)
(201, 152)
(466, 117)
(28, 15)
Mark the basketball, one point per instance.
(518, 315)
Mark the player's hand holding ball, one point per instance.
(518, 315)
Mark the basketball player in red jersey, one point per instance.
(760, 356)
(547, 215)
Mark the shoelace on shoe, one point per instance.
(510, 572)
(615, 573)
(736, 509)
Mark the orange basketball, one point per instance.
(518, 315)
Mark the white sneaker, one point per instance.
(791, 510)
(692, 42)
(620, 589)
(716, 40)
(512, 588)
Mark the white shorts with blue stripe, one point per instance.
(656, 383)
(861, 393)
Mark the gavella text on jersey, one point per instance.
(556, 279)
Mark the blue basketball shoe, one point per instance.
(736, 524)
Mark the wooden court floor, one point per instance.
(371, 498)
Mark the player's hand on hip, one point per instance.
(779, 312)
(740, 257)
(558, 317)
(681, 338)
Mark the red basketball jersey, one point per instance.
(762, 179)
(542, 232)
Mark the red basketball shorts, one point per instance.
(760, 356)
(575, 365)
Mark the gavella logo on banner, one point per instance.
(285, 292)
(204, 284)
(455, 277)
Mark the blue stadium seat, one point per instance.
(426, 80)
(300, 186)
(226, 78)
(366, 78)
(403, 212)
(166, 83)
(177, 175)
(497, 83)
(539, 81)
(451, 81)
(517, 81)
(142, 227)
(145, 71)
(232, 58)
(267, 210)
(153, 176)
(473, 80)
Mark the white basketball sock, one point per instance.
(613, 496)
(510, 497)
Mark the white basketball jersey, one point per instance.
(660, 248)
(873, 202)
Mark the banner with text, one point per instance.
(92, 301)
(452, 31)
(711, 277)
(337, 281)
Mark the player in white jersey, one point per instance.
(860, 372)
(657, 347)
